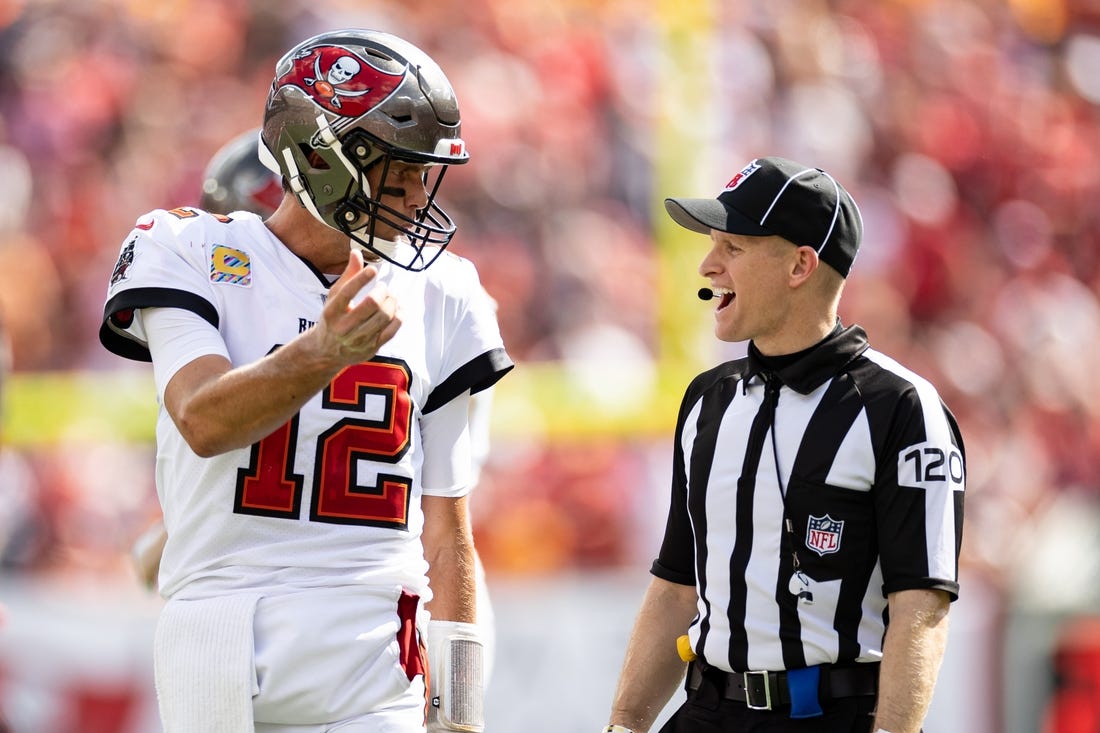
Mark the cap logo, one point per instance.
(747, 171)
(339, 80)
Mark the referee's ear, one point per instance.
(803, 265)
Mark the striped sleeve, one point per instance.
(919, 488)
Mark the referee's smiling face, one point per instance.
(751, 276)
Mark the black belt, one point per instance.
(768, 690)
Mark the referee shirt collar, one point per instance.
(816, 365)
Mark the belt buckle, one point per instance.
(754, 688)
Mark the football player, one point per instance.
(236, 180)
(313, 443)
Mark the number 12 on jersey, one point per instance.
(269, 486)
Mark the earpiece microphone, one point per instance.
(706, 294)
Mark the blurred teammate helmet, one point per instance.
(236, 180)
(345, 101)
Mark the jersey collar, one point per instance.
(817, 365)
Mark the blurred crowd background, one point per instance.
(967, 130)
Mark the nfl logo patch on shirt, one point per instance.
(823, 534)
(231, 266)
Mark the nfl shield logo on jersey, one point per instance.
(823, 534)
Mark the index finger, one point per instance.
(353, 285)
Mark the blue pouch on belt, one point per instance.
(803, 686)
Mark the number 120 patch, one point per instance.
(929, 466)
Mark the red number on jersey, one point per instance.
(270, 488)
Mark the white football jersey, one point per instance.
(333, 496)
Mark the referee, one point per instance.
(811, 550)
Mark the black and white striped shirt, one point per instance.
(864, 460)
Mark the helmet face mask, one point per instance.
(350, 105)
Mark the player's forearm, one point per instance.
(218, 409)
(912, 653)
(449, 550)
(453, 593)
(653, 669)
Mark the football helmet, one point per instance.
(346, 101)
(236, 180)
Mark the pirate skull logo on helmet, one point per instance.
(344, 102)
(344, 68)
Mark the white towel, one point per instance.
(203, 658)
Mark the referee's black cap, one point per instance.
(776, 196)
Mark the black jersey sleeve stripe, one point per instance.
(480, 373)
(118, 314)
